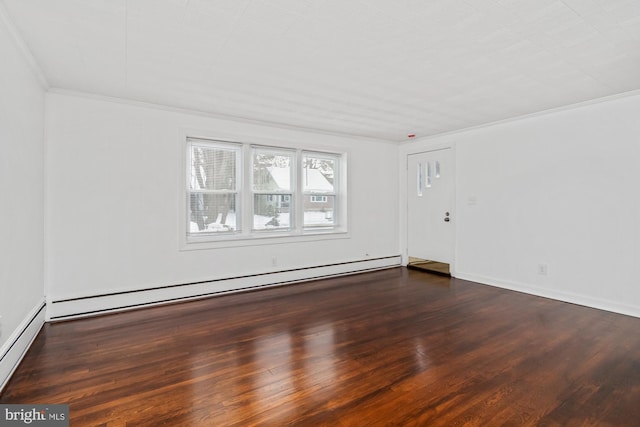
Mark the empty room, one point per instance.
(320, 212)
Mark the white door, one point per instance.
(430, 202)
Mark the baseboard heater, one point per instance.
(18, 343)
(92, 305)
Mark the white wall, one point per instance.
(559, 189)
(113, 199)
(21, 192)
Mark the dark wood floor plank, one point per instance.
(395, 347)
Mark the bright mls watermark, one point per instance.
(36, 415)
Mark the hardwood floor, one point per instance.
(394, 347)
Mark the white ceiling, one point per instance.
(377, 68)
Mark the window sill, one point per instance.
(259, 238)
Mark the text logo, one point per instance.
(34, 415)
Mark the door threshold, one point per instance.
(436, 267)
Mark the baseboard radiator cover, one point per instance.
(14, 350)
(92, 305)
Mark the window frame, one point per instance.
(333, 194)
(245, 235)
(291, 192)
(223, 145)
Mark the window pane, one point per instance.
(318, 174)
(212, 168)
(212, 213)
(271, 171)
(319, 211)
(272, 211)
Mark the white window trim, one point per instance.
(247, 236)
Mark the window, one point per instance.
(238, 191)
(212, 187)
(273, 183)
(319, 176)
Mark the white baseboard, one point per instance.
(584, 300)
(92, 305)
(19, 342)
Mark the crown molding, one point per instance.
(514, 119)
(217, 116)
(5, 17)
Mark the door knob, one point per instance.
(447, 219)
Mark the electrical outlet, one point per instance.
(274, 261)
(543, 269)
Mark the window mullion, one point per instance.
(299, 194)
(246, 194)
